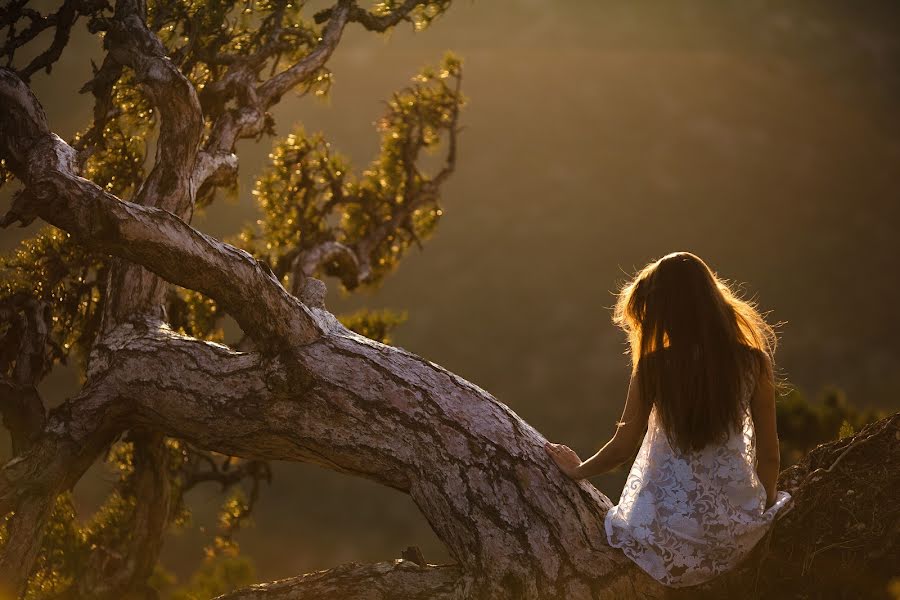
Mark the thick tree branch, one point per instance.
(132, 44)
(306, 263)
(389, 580)
(133, 289)
(273, 89)
(249, 117)
(30, 482)
(155, 238)
(79, 430)
(374, 22)
(478, 472)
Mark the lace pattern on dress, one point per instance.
(686, 518)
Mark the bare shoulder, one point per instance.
(765, 368)
(759, 364)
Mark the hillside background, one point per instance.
(762, 136)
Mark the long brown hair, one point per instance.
(691, 341)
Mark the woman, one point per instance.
(702, 490)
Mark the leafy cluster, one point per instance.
(115, 160)
(308, 196)
(216, 576)
(374, 324)
(70, 542)
(421, 16)
(206, 38)
(5, 174)
(53, 269)
(191, 313)
(804, 424)
(297, 193)
(394, 192)
(223, 567)
(63, 549)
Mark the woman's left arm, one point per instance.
(629, 431)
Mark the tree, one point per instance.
(124, 282)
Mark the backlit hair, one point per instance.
(691, 341)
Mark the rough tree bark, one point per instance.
(316, 392)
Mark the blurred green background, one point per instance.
(599, 135)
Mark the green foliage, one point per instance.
(296, 194)
(233, 515)
(117, 162)
(308, 195)
(846, 430)
(49, 266)
(422, 16)
(64, 548)
(215, 577)
(69, 541)
(803, 424)
(71, 280)
(191, 313)
(374, 324)
(5, 174)
(205, 37)
(224, 568)
(417, 118)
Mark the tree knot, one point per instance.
(313, 293)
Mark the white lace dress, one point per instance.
(686, 518)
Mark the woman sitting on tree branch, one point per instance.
(702, 490)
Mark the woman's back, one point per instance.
(703, 488)
(685, 517)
